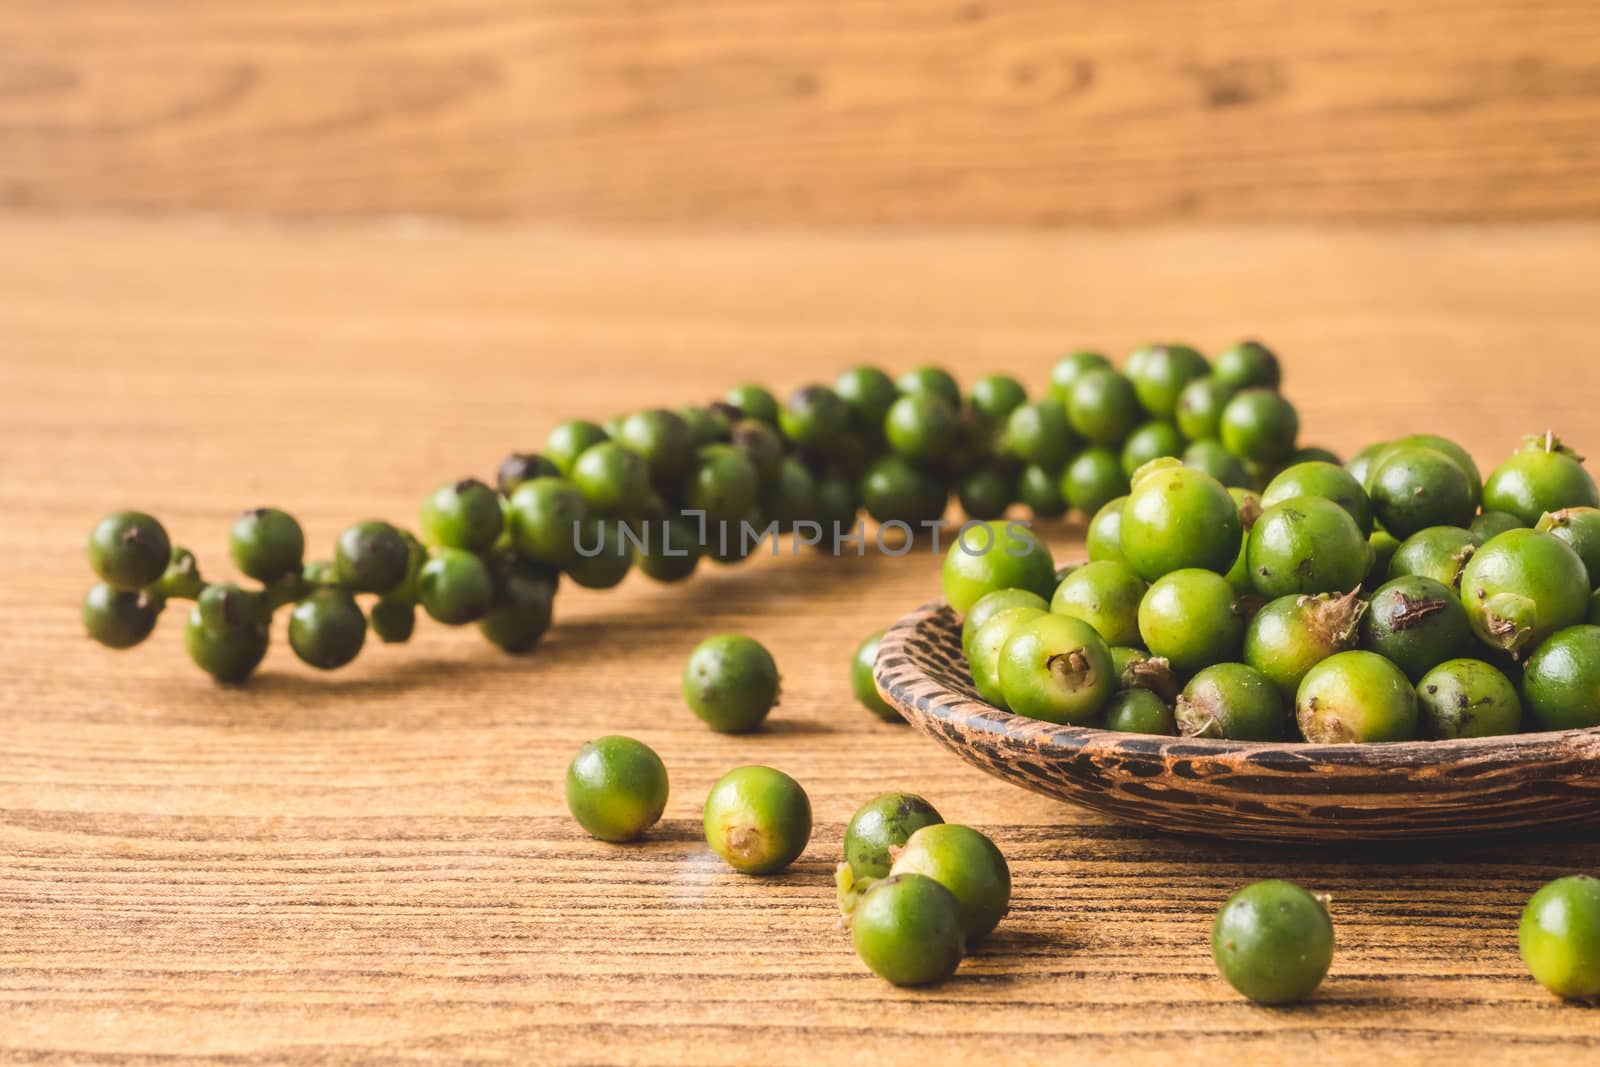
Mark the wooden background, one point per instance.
(244, 259)
(801, 112)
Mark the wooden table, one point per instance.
(378, 864)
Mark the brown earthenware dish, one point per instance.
(1231, 789)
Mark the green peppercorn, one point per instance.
(1316, 454)
(616, 788)
(1211, 458)
(731, 682)
(1360, 465)
(1273, 942)
(922, 427)
(966, 863)
(129, 550)
(815, 418)
(224, 606)
(867, 392)
(1056, 668)
(371, 557)
(661, 438)
(883, 824)
(603, 556)
(1356, 696)
(1189, 618)
(1416, 623)
(1580, 528)
(267, 544)
(1038, 433)
(1140, 711)
(1468, 698)
(993, 603)
(671, 551)
(464, 514)
(543, 516)
(1294, 633)
(1560, 937)
(986, 556)
(1093, 479)
(1103, 407)
(226, 634)
(1326, 480)
(1492, 523)
(1307, 545)
(1259, 424)
(521, 467)
(1103, 538)
(1544, 476)
(1414, 488)
(570, 440)
(393, 621)
(736, 540)
(1522, 586)
(1106, 595)
(1199, 410)
(455, 587)
(761, 445)
(1460, 456)
(1071, 368)
(1439, 552)
(1234, 702)
(1383, 547)
(907, 929)
(986, 491)
(1151, 440)
(1248, 365)
(757, 819)
(996, 396)
(931, 381)
(327, 629)
(837, 503)
(1161, 373)
(524, 598)
(1178, 518)
(612, 479)
(754, 402)
(862, 684)
(723, 483)
(988, 642)
(1039, 490)
(1562, 680)
(120, 618)
(894, 489)
(707, 425)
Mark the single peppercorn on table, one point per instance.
(379, 864)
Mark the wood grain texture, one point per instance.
(1030, 112)
(1296, 792)
(377, 864)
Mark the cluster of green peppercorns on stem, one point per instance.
(663, 489)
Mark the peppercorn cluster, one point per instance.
(664, 489)
(1398, 597)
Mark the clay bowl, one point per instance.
(1232, 789)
